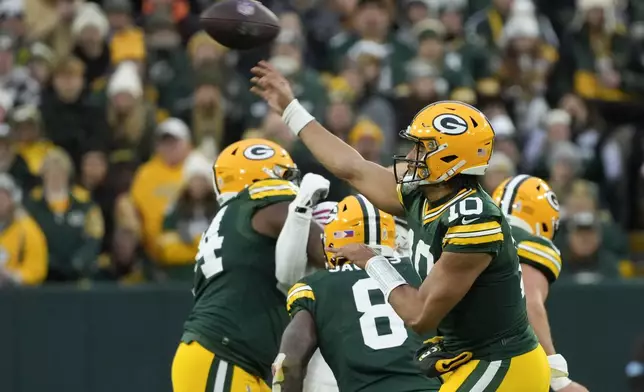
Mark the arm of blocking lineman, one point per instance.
(290, 251)
(375, 182)
(536, 291)
(270, 221)
(447, 283)
(299, 342)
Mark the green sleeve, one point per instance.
(300, 297)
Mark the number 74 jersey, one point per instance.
(491, 320)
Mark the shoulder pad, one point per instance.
(541, 254)
(299, 291)
(269, 188)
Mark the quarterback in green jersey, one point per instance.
(532, 210)
(462, 246)
(342, 311)
(233, 332)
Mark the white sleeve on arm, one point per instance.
(290, 251)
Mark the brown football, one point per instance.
(240, 24)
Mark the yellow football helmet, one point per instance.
(358, 221)
(529, 203)
(451, 137)
(247, 161)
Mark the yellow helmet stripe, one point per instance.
(510, 193)
(372, 225)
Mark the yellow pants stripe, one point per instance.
(195, 369)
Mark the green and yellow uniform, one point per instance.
(491, 320)
(363, 340)
(234, 329)
(538, 252)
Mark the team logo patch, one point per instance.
(450, 124)
(552, 199)
(343, 234)
(259, 152)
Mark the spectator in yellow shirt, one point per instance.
(157, 182)
(23, 248)
(187, 219)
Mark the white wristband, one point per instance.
(379, 268)
(296, 117)
(558, 365)
(559, 383)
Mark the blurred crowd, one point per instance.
(112, 113)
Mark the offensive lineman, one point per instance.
(462, 246)
(532, 210)
(259, 238)
(342, 311)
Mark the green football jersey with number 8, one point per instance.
(238, 311)
(365, 342)
(491, 320)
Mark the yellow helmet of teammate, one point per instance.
(451, 138)
(358, 221)
(529, 203)
(247, 161)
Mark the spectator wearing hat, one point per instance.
(423, 86)
(127, 41)
(414, 11)
(26, 124)
(505, 140)
(540, 143)
(499, 169)
(12, 22)
(71, 221)
(41, 62)
(131, 120)
(564, 164)
(287, 56)
(210, 57)
(168, 66)
(17, 85)
(487, 24)
(366, 137)
(596, 55)
(179, 13)
(23, 247)
(372, 25)
(187, 219)
(273, 128)
(12, 163)
(97, 178)
(90, 29)
(71, 121)
(158, 182)
(467, 52)
(525, 66)
(458, 82)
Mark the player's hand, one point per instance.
(574, 387)
(325, 212)
(271, 86)
(313, 188)
(358, 254)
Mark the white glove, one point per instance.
(313, 188)
(325, 212)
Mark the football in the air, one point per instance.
(240, 24)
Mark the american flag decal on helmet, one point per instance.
(343, 234)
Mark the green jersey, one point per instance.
(491, 320)
(238, 312)
(363, 340)
(538, 252)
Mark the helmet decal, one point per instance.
(259, 152)
(450, 124)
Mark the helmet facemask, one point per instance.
(417, 171)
